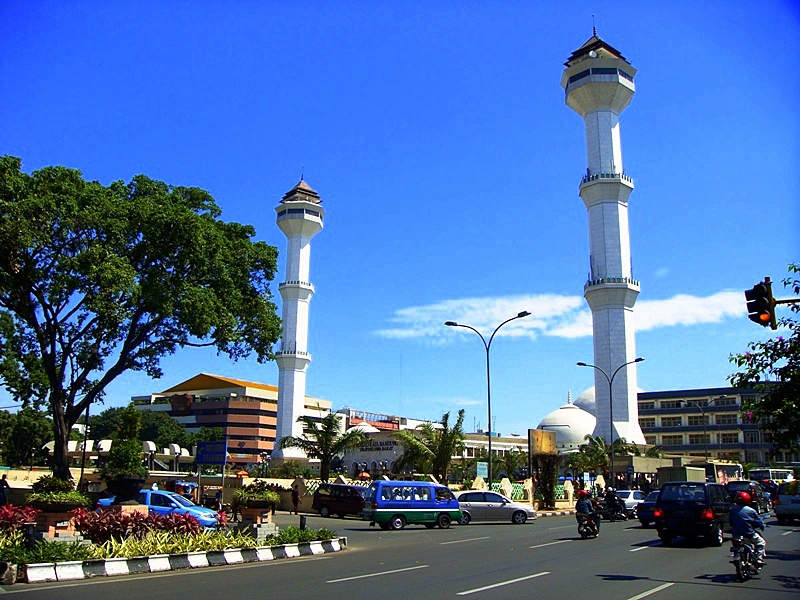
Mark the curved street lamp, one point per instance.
(611, 406)
(487, 345)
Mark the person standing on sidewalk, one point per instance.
(295, 499)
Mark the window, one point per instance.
(727, 419)
(751, 437)
(650, 440)
(647, 422)
(671, 421)
(696, 439)
(726, 401)
(670, 404)
(697, 420)
(728, 438)
(671, 440)
(647, 405)
(442, 493)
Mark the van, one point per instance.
(691, 509)
(395, 504)
(338, 499)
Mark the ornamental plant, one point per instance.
(105, 525)
(258, 491)
(13, 518)
(124, 459)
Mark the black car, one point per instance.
(758, 499)
(692, 509)
(338, 499)
(644, 510)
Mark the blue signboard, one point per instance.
(212, 453)
(482, 469)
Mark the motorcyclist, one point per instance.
(612, 503)
(744, 522)
(585, 508)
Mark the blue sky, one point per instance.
(437, 135)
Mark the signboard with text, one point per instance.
(212, 453)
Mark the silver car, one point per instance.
(631, 498)
(491, 506)
(786, 503)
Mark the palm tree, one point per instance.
(512, 462)
(324, 440)
(431, 447)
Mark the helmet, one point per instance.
(583, 494)
(742, 498)
(609, 489)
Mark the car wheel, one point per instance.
(666, 540)
(324, 512)
(444, 521)
(717, 537)
(397, 522)
(465, 519)
(519, 517)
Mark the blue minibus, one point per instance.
(395, 504)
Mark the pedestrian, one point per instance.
(4, 489)
(295, 499)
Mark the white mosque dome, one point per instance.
(571, 424)
(586, 401)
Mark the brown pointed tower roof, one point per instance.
(302, 192)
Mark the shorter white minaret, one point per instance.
(300, 216)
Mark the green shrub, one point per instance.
(47, 484)
(58, 498)
(294, 535)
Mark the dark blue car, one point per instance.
(162, 502)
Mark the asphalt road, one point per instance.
(545, 559)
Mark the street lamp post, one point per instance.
(705, 424)
(488, 345)
(611, 405)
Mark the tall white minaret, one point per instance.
(598, 83)
(300, 216)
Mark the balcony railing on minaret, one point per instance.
(291, 350)
(627, 281)
(589, 177)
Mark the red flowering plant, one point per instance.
(14, 517)
(99, 527)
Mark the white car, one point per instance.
(491, 506)
(631, 498)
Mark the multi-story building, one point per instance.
(246, 411)
(705, 423)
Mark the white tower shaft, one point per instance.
(598, 83)
(300, 218)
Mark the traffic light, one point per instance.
(761, 304)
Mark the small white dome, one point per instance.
(586, 401)
(364, 427)
(571, 424)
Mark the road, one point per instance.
(545, 559)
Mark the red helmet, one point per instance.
(583, 494)
(742, 498)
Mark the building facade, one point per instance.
(705, 423)
(246, 411)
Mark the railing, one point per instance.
(594, 176)
(607, 280)
(296, 282)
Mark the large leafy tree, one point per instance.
(98, 280)
(772, 370)
(432, 446)
(324, 441)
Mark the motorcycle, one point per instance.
(614, 513)
(743, 555)
(587, 527)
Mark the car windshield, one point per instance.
(624, 493)
(652, 496)
(693, 492)
(178, 499)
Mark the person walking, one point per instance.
(295, 499)
(5, 489)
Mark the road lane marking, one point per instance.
(639, 548)
(486, 537)
(649, 592)
(564, 527)
(501, 584)
(379, 574)
(550, 544)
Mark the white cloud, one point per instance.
(553, 315)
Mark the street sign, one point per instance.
(630, 469)
(212, 453)
(482, 470)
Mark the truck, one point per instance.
(684, 473)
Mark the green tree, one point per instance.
(324, 440)
(162, 429)
(511, 462)
(771, 369)
(104, 426)
(96, 281)
(29, 431)
(432, 446)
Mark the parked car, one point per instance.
(491, 506)
(631, 498)
(162, 502)
(786, 503)
(645, 508)
(338, 499)
(692, 509)
(760, 500)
